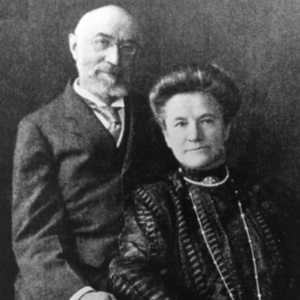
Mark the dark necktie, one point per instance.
(111, 115)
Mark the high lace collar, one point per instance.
(218, 173)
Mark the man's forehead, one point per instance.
(112, 21)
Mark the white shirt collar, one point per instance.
(89, 96)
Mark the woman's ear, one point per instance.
(166, 136)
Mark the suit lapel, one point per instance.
(82, 122)
(130, 119)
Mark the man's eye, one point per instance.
(129, 49)
(102, 43)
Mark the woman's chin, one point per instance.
(203, 164)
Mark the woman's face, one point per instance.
(195, 130)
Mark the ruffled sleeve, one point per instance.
(142, 269)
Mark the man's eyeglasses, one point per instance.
(126, 48)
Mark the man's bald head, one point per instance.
(105, 15)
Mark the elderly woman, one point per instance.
(205, 231)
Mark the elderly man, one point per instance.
(75, 160)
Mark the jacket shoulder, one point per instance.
(50, 111)
(271, 197)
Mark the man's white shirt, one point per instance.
(90, 97)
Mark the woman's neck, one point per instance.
(218, 173)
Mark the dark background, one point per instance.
(256, 40)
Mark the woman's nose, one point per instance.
(195, 132)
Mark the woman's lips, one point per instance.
(197, 148)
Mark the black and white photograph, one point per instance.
(149, 150)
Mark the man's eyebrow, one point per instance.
(107, 36)
(104, 35)
(132, 41)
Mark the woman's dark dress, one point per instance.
(164, 255)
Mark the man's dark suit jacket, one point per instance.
(68, 186)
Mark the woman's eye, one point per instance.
(180, 124)
(207, 121)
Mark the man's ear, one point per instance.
(73, 45)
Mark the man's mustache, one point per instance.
(108, 68)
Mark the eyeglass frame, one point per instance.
(104, 39)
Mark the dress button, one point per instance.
(163, 271)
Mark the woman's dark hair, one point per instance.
(210, 80)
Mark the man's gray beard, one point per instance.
(105, 85)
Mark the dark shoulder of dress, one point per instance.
(280, 206)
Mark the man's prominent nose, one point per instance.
(112, 55)
(195, 132)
